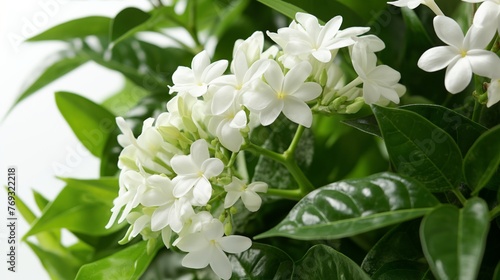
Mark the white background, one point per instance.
(34, 136)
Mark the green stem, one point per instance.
(460, 196)
(288, 194)
(495, 212)
(476, 114)
(290, 152)
(265, 152)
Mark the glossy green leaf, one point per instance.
(351, 207)
(57, 266)
(463, 130)
(399, 248)
(91, 123)
(366, 124)
(408, 270)
(420, 149)
(483, 160)
(453, 240)
(129, 263)
(261, 261)
(324, 262)
(62, 66)
(126, 21)
(77, 28)
(283, 7)
(82, 206)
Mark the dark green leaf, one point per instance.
(454, 240)
(483, 160)
(366, 124)
(126, 21)
(129, 263)
(82, 206)
(62, 66)
(323, 262)
(415, 26)
(57, 266)
(408, 270)
(463, 130)
(420, 149)
(77, 28)
(261, 261)
(497, 272)
(350, 207)
(91, 123)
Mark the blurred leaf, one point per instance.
(366, 124)
(283, 7)
(125, 99)
(414, 25)
(324, 262)
(350, 207)
(127, 22)
(77, 28)
(399, 248)
(57, 266)
(40, 200)
(408, 270)
(228, 16)
(463, 130)
(482, 162)
(78, 203)
(129, 263)
(261, 261)
(453, 240)
(64, 64)
(420, 149)
(91, 123)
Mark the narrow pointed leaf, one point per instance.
(77, 28)
(453, 240)
(420, 149)
(129, 263)
(482, 162)
(127, 22)
(91, 123)
(283, 7)
(261, 261)
(351, 207)
(59, 267)
(324, 262)
(40, 200)
(82, 206)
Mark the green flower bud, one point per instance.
(228, 228)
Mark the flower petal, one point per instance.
(220, 264)
(214, 70)
(212, 167)
(271, 112)
(297, 111)
(458, 76)
(199, 152)
(296, 77)
(251, 200)
(484, 63)
(449, 31)
(183, 165)
(223, 99)
(184, 185)
(231, 198)
(160, 217)
(235, 244)
(197, 260)
(274, 76)
(202, 191)
(437, 58)
(199, 63)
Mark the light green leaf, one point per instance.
(351, 207)
(129, 263)
(59, 267)
(420, 149)
(91, 123)
(77, 28)
(453, 240)
(483, 159)
(323, 262)
(283, 7)
(261, 261)
(40, 200)
(83, 206)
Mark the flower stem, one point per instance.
(290, 152)
(476, 114)
(434, 7)
(289, 194)
(460, 196)
(342, 91)
(495, 212)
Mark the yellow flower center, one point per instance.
(463, 53)
(281, 95)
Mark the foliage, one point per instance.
(399, 192)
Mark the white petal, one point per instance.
(487, 12)
(308, 91)
(297, 111)
(493, 92)
(258, 187)
(274, 76)
(231, 138)
(202, 191)
(240, 120)
(220, 264)
(160, 217)
(183, 75)
(384, 74)
(223, 99)
(478, 37)
(166, 235)
(213, 230)
(330, 29)
(199, 152)
(183, 165)
(199, 63)
(231, 198)
(437, 58)
(458, 76)
(484, 63)
(212, 167)
(196, 260)
(370, 93)
(235, 244)
(322, 55)
(260, 97)
(449, 31)
(184, 185)
(139, 225)
(296, 77)
(251, 200)
(214, 70)
(271, 112)
(153, 197)
(192, 242)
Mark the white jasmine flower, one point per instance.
(287, 94)
(227, 126)
(493, 92)
(379, 82)
(195, 80)
(412, 4)
(488, 14)
(194, 224)
(194, 171)
(208, 246)
(463, 55)
(248, 193)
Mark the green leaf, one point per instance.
(483, 159)
(125, 99)
(366, 124)
(416, 28)
(261, 261)
(57, 266)
(77, 28)
(129, 263)
(91, 123)
(399, 248)
(408, 270)
(453, 240)
(351, 207)
(83, 206)
(463, 130)
(127, 21)
(40, 200)
(323, 262)
(62, 66)
(283, 7)
(420, 149)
